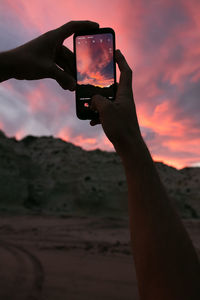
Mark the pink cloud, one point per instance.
(160, 40)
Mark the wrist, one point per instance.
(135, 154)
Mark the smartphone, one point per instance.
(95, 68)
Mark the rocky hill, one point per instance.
(48, 175)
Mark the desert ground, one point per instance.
(69, 257)
(47, 250)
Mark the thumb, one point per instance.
(75, 26)
(66, 81)
(98, 103)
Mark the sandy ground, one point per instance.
(74, 258)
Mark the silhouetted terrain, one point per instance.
(48, 175)
(88, 90)
(64, 228)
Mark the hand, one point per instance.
(118, 118)
(46, 57)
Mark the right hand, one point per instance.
(47, 57)
(118, 118)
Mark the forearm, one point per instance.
(6, 66)
(166, 263)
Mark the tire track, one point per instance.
(24, 272)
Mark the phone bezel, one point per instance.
(82, 114)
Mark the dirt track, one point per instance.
(22, 274)
(68, 258)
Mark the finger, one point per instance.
(95, 122)
(125, 82)
(67, 70)
(65, 59)
(98, 103)
(74, 26)
(66, 81)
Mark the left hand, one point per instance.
(47, 57)
(118, 117)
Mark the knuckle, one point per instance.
(48, 34)
(70, 23)
(66, 26)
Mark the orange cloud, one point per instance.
(94, 61)
(85, 142)
(160, 40)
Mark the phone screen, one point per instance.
(95, 66)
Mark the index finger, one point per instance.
(125, 81)
(65, 58)
(74, 26)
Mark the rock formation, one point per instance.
(48, 175)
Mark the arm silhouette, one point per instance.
(167, 265)
(44, 57)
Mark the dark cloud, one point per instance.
(148, 134)
(96, 53)
(82, 76)
(107, 71)
(188, 102)
(163, 41)
(161, 22)
(13, 32)
(13, 113)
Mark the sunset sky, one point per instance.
(161, 42)
(95, 59)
